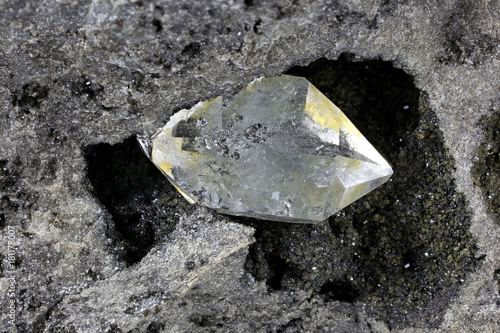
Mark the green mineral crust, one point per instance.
(277, 150)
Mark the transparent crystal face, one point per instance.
(277, 150)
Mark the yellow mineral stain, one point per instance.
(348, 126)
(353, 165)
(250, 88)
(166, 167)
(187, 197)
(321, 110)
(204, 106)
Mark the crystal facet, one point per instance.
(277, 150)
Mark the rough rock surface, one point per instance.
(93, 239)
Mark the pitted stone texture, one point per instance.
(78, 73)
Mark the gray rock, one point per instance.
(92, 241)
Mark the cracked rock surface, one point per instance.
(94, 239)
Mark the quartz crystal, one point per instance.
(277, 150)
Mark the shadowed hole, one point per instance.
(139, 198)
